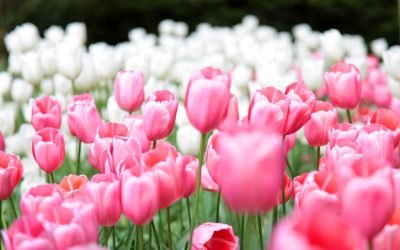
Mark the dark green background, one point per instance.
(111, 20)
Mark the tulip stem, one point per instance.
(349, 116)
(153, 227)
(198, 189)
(370, 244)
(260, 233)
(217, 206)
(51, 177)
(78, 159)
(169, 229)
(113, 237)
(274, 216)
(249, 232)
(154, 144)
(105, 236)
(1, 216)
(140, 237)
(242, 232)
(188, 210)
(13, 207)
(318, 156)
(283, 196)
(289, 167)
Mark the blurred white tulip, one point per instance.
(46, 86)
(54, 34)
(31, 69)
(312, 71)
(76, 32)
(48, 61)
(136, 34)
(378, 46)
(165, 27)
(15, 63)
(241, 75)
(12, 42)
(5, 83)
(28, 36)
(391, 59)
(21, 90)
(180, 29)
(115, 114)
(188, 140)
(69, 59)
(8, 114)
(332, 45)
(87, 78)
(62, 85)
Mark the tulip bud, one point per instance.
(214, 236)
(129, 90)
(46, 112)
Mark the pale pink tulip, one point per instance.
(129, 90)
(41, 199)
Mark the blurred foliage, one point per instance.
(110, 21)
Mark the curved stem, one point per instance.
(169, 229)
(217, 206)
(291, 173)
(78, 158)
(153, 227)
(349, 116)
(14, 210)
(260, 234)
(198, 189)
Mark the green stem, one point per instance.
(349, 116)
(283, 195)
(242, 232)
(113, 237)
(318, 156)
(260, 234)
(217, 206)
(14, 210)
(249, 231)
(1, 216)
(188, 211)
(51, 177)
(289, 167)
(169, 229)
(140, 237)
(150, 237)
(153, 227)
(105, 236)
(274, 216)
(78, 159)
(198, 189)
(154, 144)
(370, 244)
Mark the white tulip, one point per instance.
(103, 61)
(8, 115)
(27, 110)
(391, 59)
(31, 168)
(301, 31)
(5, 83)
(360, 62)
(12, 42)
(312, 71)
(181, 116)
(136, 34)
(378, 46)
(354, 45)
(115, 114)
(166, 27)
(250, 22)
(87, 78)
(15, 63)
(62, 85)
(69, 59)
(46, 86)
(14, 144)
(241, 75)
(48, 61)
(21, 90)
(28, 35)
(265, 33)
(76, 32)
(160, 63)
(54, 34)
(188, 140)
(138, 62)
(332, 45)
(31, 69)
(180, 29)
(394, 87)
(26, 133)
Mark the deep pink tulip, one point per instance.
(129, 90)
(46, 112)
(48, 148)
(159, 114)
(214, 236)
(244, 162)
(135, 126)
(343, 85)
(388, 238)
(323, 118)
(2, 142)
(269, 107)
(104, 192)
(10, 174)
(41, 199)
(73, 186)
(27, 233)
(207, 98)
(83, 118)
(105, 133)
(315, 230)
(139, 197)
(70, 227)
(302, 101)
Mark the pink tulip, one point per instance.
(139, 197)
(302, 101)
(269, 107)
(46, 112)
(2, 142)
(28, 233)
(316, 230)
(214, 236)
(41, 199)
(136, 129)
(343, 85)
(103, 191)
(232, 116)
(73, 186)
(288, 189)
(244, 162)
(375, 88)
(159, 114)
(207, 98)
(186, 174)
(69, 227)
(10, 174)
(48, 148)
(388, 238)
(323, 118)
(83, 118)
(105, 133)
(207, 182)
(129, 90)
